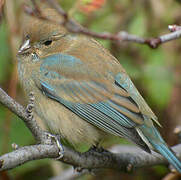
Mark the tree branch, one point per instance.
(126, 158)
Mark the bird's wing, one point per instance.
(102, 103)
(123, 80)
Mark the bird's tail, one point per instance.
(156, 141)
(168, 154)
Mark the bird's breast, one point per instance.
(61, 120)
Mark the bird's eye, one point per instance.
(47, 43)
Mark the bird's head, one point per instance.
(42, 37)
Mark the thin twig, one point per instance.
(174, 27)
(74, 27)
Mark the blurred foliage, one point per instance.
(5, 55)
(156, 72)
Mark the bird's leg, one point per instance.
(56, 138)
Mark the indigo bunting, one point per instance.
(81, 91)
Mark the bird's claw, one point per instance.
(59, 145)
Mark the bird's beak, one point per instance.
(24, 47)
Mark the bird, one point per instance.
(81, 91)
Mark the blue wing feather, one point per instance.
(102, 115)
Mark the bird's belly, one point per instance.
(61, 120)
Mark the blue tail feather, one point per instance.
(168, 154)
(157, 142)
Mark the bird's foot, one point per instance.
(56, 138)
